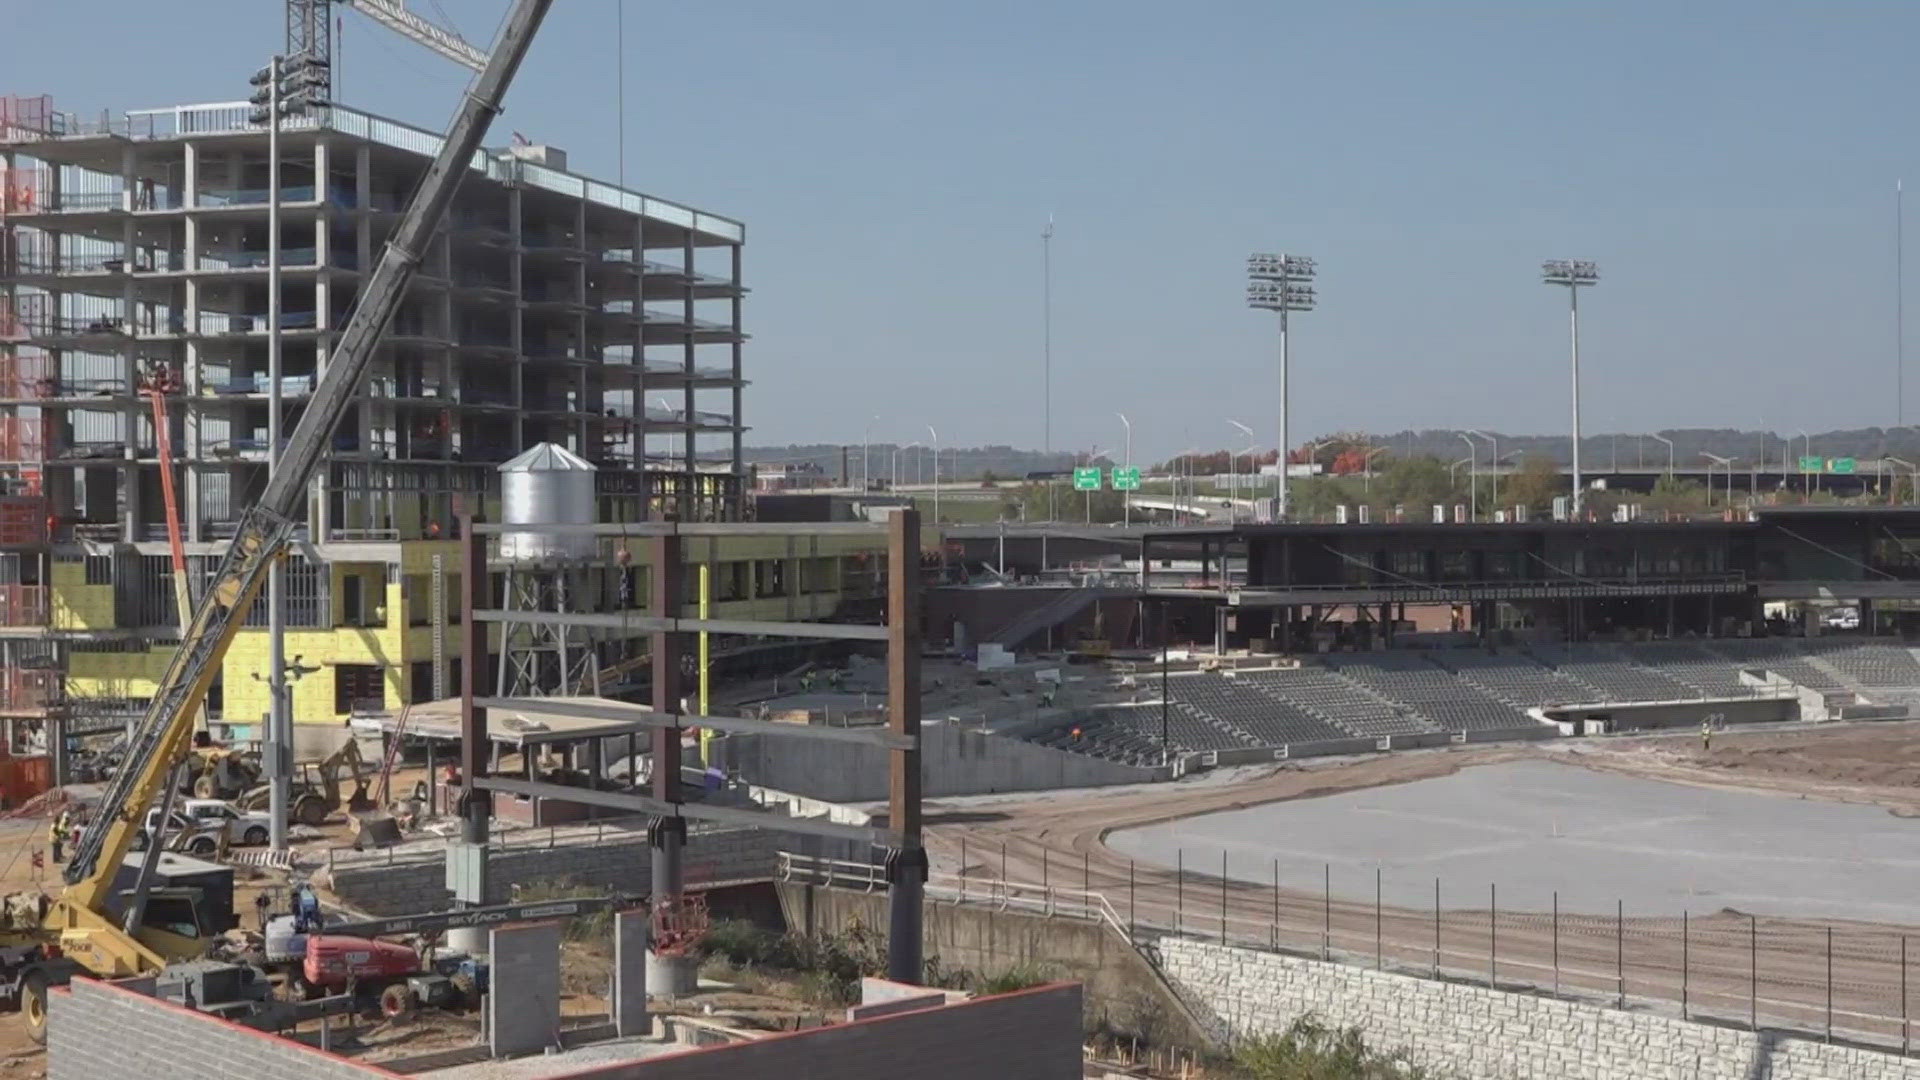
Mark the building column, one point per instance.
(690, 439)
(739, 383)
(668, 975)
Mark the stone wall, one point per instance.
(98, 1031)
(1472, 1031)
(617, 860)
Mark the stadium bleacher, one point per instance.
(1712, 675)
(1341, 703)
(1369, 695)
(1613, 675)
(1445, 700)
(1519, 679)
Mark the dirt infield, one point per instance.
(1734, 965)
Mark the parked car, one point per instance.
(204, 823)
(1845, 618)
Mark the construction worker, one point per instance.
(57, 836)
(1706, 735)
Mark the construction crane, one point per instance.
(310, 30)
(76, 931)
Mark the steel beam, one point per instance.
(475, 806)
(870, 736)
(723, 815)
(661, 624)
(638, 529)
(907, 862)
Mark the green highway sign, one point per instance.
(1841, 466)
(1126, 479)
(1086, 478)
(1812, 464)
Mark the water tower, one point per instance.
(547, 571)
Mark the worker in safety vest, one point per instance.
(1706, 735)
(57, 836)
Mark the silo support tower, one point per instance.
(547, 571)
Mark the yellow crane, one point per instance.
(75, 931)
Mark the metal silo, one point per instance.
(547, 485)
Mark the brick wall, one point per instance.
(618, 862)
(98, 1031)
(1029, 1035)
(1480, 1032)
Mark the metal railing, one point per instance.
(1733, 968)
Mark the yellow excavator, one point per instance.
(98, 925)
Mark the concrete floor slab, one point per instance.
(1533, 827)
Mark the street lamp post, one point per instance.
(1573, 274)
(1914, 483)
(1367, 465)
(896, 461)
(1233, 472)
(1493, 457)
(1725, 463)
(1473, 477)
(1669, 442)
(1126, 498)
(1279, 283)
(1806, 477)
(290, 86)
(936, 472)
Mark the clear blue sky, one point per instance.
(1730, 166)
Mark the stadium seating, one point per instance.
(1267, 720)
(1712, 675)
(1786, 657)
(1873, 664)
(1335, 700)
(1518, 679)
(1612, 675)
(1445, 700)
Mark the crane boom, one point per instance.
(393, 15)
(161, 738)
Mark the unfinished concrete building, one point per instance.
(134, 254)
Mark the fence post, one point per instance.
(1903, 993)
(1556, 943)
(1005, 891)
(1685, 922)
(1326, 902)
(1620, 949)
(1223, 896)
(1753, 969)
(1379, 955)
(1046, 885)
(1276, 906)
(1829, 983)
(1493, 936)
(1179, 888)
(1131, 920)
(1436, 928)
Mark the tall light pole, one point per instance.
(896, 461)
(1899, 305)
(1493, 458)
(1046, 369)
(1669, 442)
(936, 472)
(1806, 477)
(1473, 477)
(1367, 465)
(1233, 473)
(1913, 487)
(289, 86)
(1725, 463)
(1573, 274)
(1279, 283)
(1126, 499)
(866, 457)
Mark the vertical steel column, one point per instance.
(279, 709)
(476, 806)
(666, 834)
(907, 864)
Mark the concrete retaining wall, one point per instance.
(617, 861)
(1472, 1031)
(1682, 714)
(1028, 1035)
(954, 762)
(1121, 988)
(98, 1031)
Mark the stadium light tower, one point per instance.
(1279, 283)
(1573, 274)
